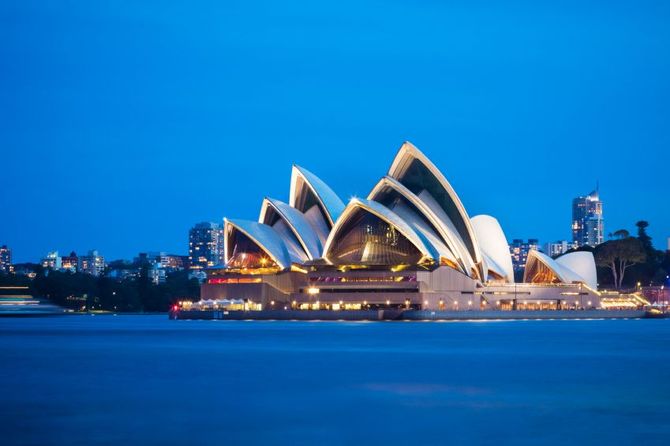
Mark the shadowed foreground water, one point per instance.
(86, 380)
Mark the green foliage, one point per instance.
(619, 255)
(652, 269)
(621, 233)
(642, 235)
(13, 280)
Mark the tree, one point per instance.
(621, 233)
(619, 255)
(642, 235)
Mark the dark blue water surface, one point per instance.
(85, 380)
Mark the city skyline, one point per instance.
(122, 144)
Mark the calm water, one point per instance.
(86, 380)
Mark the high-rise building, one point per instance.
(171, 262)
(157, 274)
(518, 249)
(588, 226)
(205, 245)
(92, 263)
(5, 259)
(52, 260)
(160, 265)
(553, 249)
(70, 263)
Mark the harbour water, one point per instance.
(88, 380)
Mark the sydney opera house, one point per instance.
(409, 244)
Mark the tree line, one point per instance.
(84, 292)
(626, 260)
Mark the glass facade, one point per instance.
(244, 253)
(367, 239)
(587, 220)
(393, 200)
(417, 178)
(538, 272)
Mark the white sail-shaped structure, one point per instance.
(417, 173)
(314, 198)
(575, 267)
(494, 247)
(293, 226)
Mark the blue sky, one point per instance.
(125, 122)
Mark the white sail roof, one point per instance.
(442, 237)
(302, 178)
(263, 236)
(415, 171)
(493, 243)
(583, 264)
(296, 221)
(585, 267)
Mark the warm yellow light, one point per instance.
(312, 290)
(298, 269)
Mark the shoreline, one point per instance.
(407, 315)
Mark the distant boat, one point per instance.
(656, 313)
(15, 302)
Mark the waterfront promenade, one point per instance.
(405, 315)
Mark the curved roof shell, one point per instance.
(262, 235)
(581, 263)
(563, 271)
(426, 249)
(441, 236)
(272, 210)
(304, 181)
(494, 246)
(493, 269)
(416, 172)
